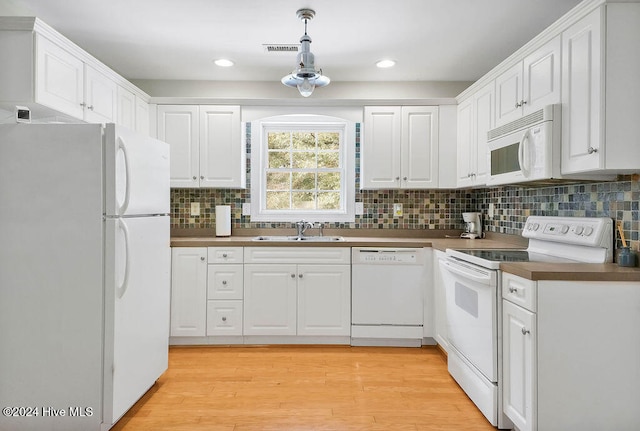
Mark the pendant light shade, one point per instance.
(305, 77)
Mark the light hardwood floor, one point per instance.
(300, 388)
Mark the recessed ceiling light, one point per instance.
(223, 62)
(384, 64)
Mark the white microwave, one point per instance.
(527, 149)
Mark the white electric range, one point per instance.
(473, 296)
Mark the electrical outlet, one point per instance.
(246, 209)
(359, 208)
(397, 210)
(195, 208)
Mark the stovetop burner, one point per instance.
(509, 255)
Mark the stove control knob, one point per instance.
(564, 229)
(536, 226)
(588, 231)
(578, 230)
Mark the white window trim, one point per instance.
(258, 164)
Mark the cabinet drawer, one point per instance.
(297, 255)
(520, 291)
(225, 255)
(224, 282)
(224, 317)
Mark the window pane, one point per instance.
(304, 159)
(303, 201)
(329, 160)
(329, 201)
(303, 181)
(278, 201)
(328, 141)
(279, 159)
(278, 180)
(328, 181)
(304, 140)
(279, 140)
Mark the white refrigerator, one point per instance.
(84, 273)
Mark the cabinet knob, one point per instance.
(404, 178)
(293, 276)
(592, 150)
(83, 104)
(525, 331)
(300, 275)
(513, 290)
(397, 178)
(518, 104)
(202, 177)
(224, 282)
(224, 319)
(524, 102)
(202, 258)
(195, 178)
(224, 255)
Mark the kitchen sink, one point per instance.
(286, 238)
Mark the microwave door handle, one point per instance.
(523, 150)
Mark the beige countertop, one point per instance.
(571, 271)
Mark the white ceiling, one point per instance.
(431, 40)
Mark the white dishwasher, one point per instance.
(387, 290)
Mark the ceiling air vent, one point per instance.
(281, 47)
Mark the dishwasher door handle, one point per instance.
(469, 273)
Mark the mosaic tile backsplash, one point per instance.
(440, 209)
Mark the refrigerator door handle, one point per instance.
(127, 191)
(120, 290)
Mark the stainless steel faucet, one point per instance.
(302, 227)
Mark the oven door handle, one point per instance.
(479, 276)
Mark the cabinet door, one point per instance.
(419, 147)
(509, 95)
(188, 291)
(324, 300)
(178, 125)
(518, 364)
(581, 95)
(380, 151)
(126, 108)
(142, 116)
(100, 97)
(465, 143)
(484, 120)
(222, 155)
(542, 72)
(59, 79)
(270, 299)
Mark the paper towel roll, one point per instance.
(223, 220)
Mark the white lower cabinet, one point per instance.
(225, 291)
(188, 291)
(224, 317)
(310, 295)
(571, 354)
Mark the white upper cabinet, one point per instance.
(222, 155)
(52, 76)
(142, 116)
(476, 116)
(178, 125)
(126, 108)
(600, 91)
(100, 97)
(207, 149)
(530, 84)
(400, 147)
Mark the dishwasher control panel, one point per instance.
(387, 256)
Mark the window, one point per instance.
(302, 168)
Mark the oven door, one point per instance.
(471, 298)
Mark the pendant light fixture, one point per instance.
(305, 76)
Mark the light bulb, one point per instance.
(306, 87)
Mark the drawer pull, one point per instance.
(513, 290)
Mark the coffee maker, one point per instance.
(472, 225)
